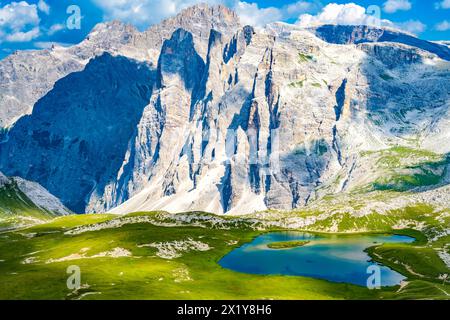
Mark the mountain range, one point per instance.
(202, 113)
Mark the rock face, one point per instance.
(74, 141)
(201, 113)
(26, 76)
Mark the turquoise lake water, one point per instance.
(337, 258)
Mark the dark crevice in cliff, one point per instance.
(340, 100)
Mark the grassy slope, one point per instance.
(17, 209)
(194, 275)
(406, 168)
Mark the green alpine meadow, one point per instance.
(176, 257)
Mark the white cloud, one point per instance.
(19, 22)
(345, 14)
(392, 6)
(443, 26)
(299, 7)
(18, 15)
(353, 14)
(144, 12)
(412, 26)
(43, 6)
(444, 4)
(251, 14)
(23, 36)
(55, 28)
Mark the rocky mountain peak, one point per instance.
(217, 17)
(112, 31)
(198, 20)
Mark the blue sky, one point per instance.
(30, 24)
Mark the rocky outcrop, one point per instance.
(75, 140)
(18, 195)
(361, 34)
